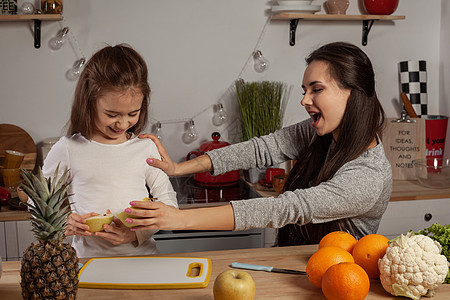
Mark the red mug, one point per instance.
(271, 172)
(435, 130)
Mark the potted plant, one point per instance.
(262, 105)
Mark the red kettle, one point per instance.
(205, 178)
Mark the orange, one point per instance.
(368, 250)
(324, 258)
(340, 239)
(345, 281)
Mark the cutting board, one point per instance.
(145, 273)
(15, 138)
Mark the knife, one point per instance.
(266, 268)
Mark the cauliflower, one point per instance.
(412, 266)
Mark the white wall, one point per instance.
(444, 68)
(196, 49)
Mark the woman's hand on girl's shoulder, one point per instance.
(165, 163)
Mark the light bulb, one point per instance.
(58, 41)
(73, 73)
(159, 134)
(261, 63)
(220, 116)
(27, 8)
(191, 133)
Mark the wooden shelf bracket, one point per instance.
(292, 31)
(37, 33)
(367, 25)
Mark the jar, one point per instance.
(51, 6)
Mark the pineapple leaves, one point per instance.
(48, 195)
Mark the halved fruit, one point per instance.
(123, 215)
(96, 223)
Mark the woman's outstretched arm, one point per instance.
(157, 215)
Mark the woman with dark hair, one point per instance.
(105, 158)
(342, 179)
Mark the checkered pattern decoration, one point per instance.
(413, 80)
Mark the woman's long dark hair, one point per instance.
(113, 68)
(363, 120)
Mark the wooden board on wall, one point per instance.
(15, 138)
(404, 142)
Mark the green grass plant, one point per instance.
(262, 105)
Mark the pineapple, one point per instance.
(49, 267)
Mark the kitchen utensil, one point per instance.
(266, 268)
(380, 7)
(16, 204)
(205, 178)
(336, 7)
(435, 133)
(10, 177)
(278, 182)
(13, 159)
(408, 106)
(294, 2)
(145, 273)
(304, 9)
(264, 183)
(15, 138)
(5, 195)
(433, 173)
(270, 172)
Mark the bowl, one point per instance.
(295, 2)
(433, 172)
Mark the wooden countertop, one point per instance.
(402, 190)
(268, 285)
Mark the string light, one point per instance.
(261, 63)
(73, 73)
(191, 133)
(27, 8)
(238, 81)
(220, 116)
(59, 40)
(159, 134)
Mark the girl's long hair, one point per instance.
(113, 68)
(362, 121)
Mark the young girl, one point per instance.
(105, 158)
(342, 179)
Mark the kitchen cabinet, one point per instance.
(36, 18)
(367, 21)
(189, 241)
(15, 237)
(2, 241)
(402, 216)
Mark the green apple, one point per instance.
(234, 285)
(96, 223)
(123, 215)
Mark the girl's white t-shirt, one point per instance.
(105, 177)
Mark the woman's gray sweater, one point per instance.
(358, 194)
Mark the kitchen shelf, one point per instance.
(37, 18)
(367, 21)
